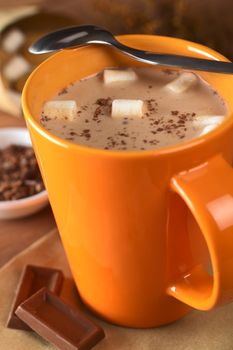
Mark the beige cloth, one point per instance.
(197, 331)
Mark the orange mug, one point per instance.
(148, 235)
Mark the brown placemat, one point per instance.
(197, 331)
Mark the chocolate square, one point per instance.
(33, 279)
(59, 323)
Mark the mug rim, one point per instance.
(184, 146)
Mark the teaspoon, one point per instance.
(76, 36)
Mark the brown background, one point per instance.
(205, 21)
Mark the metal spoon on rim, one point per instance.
(76, 36)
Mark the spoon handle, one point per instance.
(176, 60)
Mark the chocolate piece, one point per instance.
(59, 323)
(33, 279)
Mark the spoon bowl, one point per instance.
(71, 37)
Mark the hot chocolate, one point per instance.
(134, 109)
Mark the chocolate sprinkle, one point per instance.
(63, 91)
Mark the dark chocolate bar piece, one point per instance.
(33, 279)
(59, 323)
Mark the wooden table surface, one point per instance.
(16, 235)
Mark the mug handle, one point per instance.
(207, 190)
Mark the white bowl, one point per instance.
(25, 206)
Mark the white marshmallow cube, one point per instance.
(117, 75)
(127, 108)
(208, 122)
(203, 120)
(184, 81)
(207, 129)
(66, 109)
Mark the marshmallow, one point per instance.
(127, 108)
(182, 83)
(116, 75)
(60, 109)
(203, 120)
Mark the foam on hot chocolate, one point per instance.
(135, 109)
